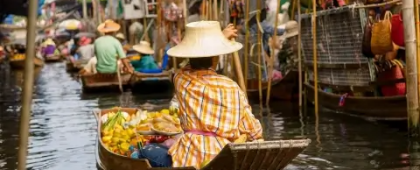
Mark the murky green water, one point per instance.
(63, 129)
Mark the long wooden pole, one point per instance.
(315, 57)
(25, 114)
(85, 16)
(246, 48)
(300, 55)
(271, 61)
(259, 42)
(417, 26)
(411, 64)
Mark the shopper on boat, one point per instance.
(147, 63)
(214, 111)
(108, 51)
(85, 51)
(123, 41)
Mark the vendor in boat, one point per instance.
(147, 61)
(48, 48)
(123, 41)
(109, 52)
(213, 109)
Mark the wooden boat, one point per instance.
(98, 82)
(273, 155)
(283, 89)
(19, 62)
(152, 83)
(54, 58)
(73, 66)
(374, 108)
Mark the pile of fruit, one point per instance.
(123, 134)
(17, 57)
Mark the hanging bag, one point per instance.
(367, 36)
(381, 41)
(397, 30)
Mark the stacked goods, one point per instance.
(17, 57)
(124, 134)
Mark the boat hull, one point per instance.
(283, 89)
(20, 64)
(157, 84)
(103, 82)
(376, 108)
(73, 67)
(54, 58)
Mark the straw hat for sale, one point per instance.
(204, 39)
(120, 36)
(292, 29)
(143, 48)
(109, 26)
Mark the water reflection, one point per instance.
(63, 129)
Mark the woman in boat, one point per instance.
(214, 111)
(109, 52)
(147, 63)
(48, 48)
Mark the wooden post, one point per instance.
(146, 33)
(28, 84)
(315, 57)
(417, 26)
(259, 49)
(300, 56)
(411, 64)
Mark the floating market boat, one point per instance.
(73, 66)
(251, 155)
(18, 61)
(152, 83)
(374, 108)
(54, 58)
(99, 82)
(282, 89)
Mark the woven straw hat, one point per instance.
(292, 29)
(144, 48)
(204, 39)
(120, 36)
(109, 26)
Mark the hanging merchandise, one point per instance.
(397, 30)
(236, 10)
(172, 12)
(367, 36)
(134, 9)
(151, 8)
(381, 42)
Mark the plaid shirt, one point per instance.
(210, 102)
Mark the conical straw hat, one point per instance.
(109, 26)
(204, 39)
(144, 48)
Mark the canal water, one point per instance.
(63, 129)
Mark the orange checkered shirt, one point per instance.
(211, 103)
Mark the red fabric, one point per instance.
(397, 30)
(397, 89)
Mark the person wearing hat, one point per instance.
(286, 50)
(213, 108)
(146, 62)
(85, 50)
(108, 50)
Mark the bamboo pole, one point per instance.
(271, 61)
(28, 85)
(411, 64)
(246, 48)
(146, 33)
(315, 53)
(184, 11)
(416, 16)
(111, 9)
(300, 56)
(259, 38)
(85, 16)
